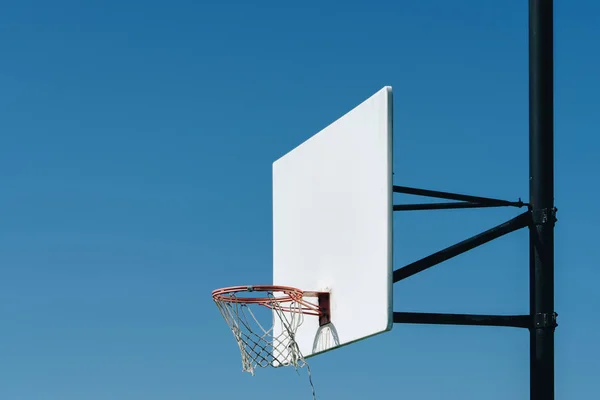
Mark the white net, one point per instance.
(252, 321)
(258, 345)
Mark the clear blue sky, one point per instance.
(136, 142)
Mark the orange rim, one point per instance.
(281, 295)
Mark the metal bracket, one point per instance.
(324, 308)
(544, 216)
(545, 320)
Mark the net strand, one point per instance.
(260, 347)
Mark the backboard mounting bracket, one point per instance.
(545, 320)
(544, 216)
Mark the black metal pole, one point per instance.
(541, 193)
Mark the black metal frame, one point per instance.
(463, 200)
(540, 217)
(512, 225)
(516, 321)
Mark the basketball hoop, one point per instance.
(259, 345)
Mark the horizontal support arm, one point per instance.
(516, 321)
(514, 224)
(458, 197)
(441, 206)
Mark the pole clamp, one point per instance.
(545, 320)
(544, 216)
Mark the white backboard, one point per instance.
(332, 224)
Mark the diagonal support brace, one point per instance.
(512, 225)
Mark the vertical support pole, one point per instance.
(541, 192)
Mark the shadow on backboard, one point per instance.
(326, 338)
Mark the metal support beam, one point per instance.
(514, 224)
(458, 197)
(541, 194)
(440, 206)
(516, 321)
